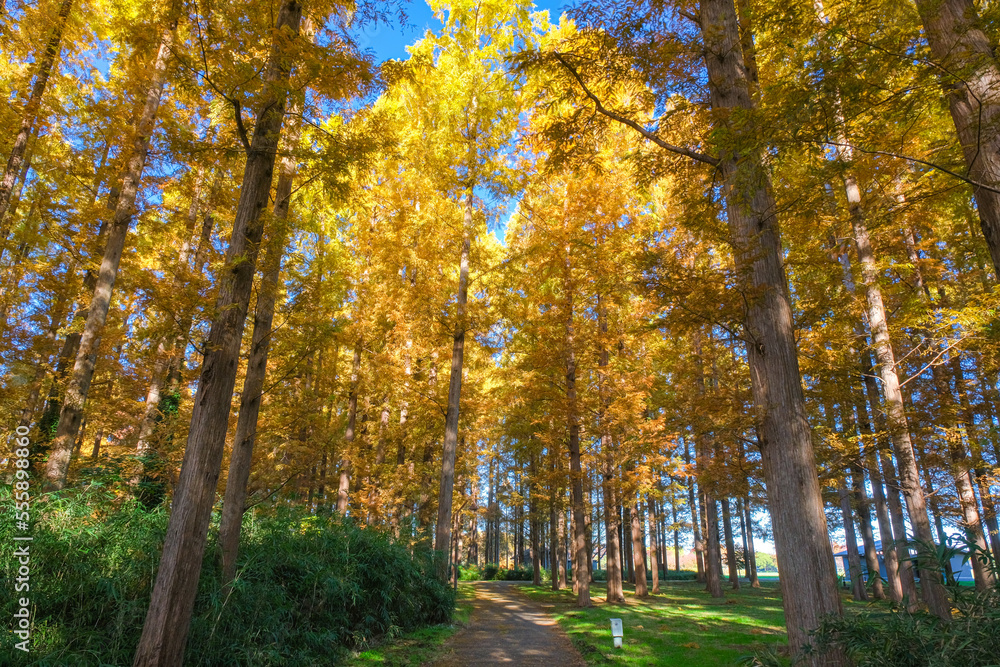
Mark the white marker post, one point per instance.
(616, 631)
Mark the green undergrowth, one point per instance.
(309, 589)
(680, 626)
(420, 646)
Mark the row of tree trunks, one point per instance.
(253, 384)
(71, 413)
(442, 536)
(808, 575)
(29, 118)
(167, 622)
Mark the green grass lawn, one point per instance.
(681, 626)
(416, 648)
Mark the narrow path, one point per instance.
(508, 628)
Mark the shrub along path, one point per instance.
(506, 627)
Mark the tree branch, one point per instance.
(867, 151)
(679, 150)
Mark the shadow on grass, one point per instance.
(680, 626)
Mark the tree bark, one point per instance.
(442, 535)
(972, 85)
(30, 116)
(808, 575)
(71, 413)
(165, 631)
(253, 384)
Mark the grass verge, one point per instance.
(681, 626)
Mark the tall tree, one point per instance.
(71, 414)
(164, 633)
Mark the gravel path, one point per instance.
(508, 628)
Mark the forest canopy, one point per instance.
(574, 291)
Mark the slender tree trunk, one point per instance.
(853, 557)
(30, 116)
(751, 554)
(677, 532)
(534, 525)
(344, 488)
(894, 575)
(977, 471)
(808, 575)
(253, 384)
(727, 525)
(559, 550)
(699, 546)
(86, 357)
(580, 567)
(443, 534)
(653, 539)
(611, 521)
(713, 554)
(867, 536)
(638, 552)
(165, 631)
(899, 432)
(898, 521)
(972, 84)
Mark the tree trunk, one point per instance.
(534, 525)
(580, 568)
(889, 554)
(677, 532)
(344, 487)
(713, 554)
(727, 526)
(638, 552)
(752, 553)
(699, 546)
(612, 556)
(559, 551)
(853, 557)
(898, 522)
(962, 50)
(86, 357)
(867, 536)
(899, 430)
(30, 116)
(165, 631)
(653, 539)
(442, 536)
(808, 575)
(253, 384)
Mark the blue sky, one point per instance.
(390, 41)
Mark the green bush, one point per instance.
(899, 638)
(683, 575)
(307, 587)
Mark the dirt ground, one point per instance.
(508, 628)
